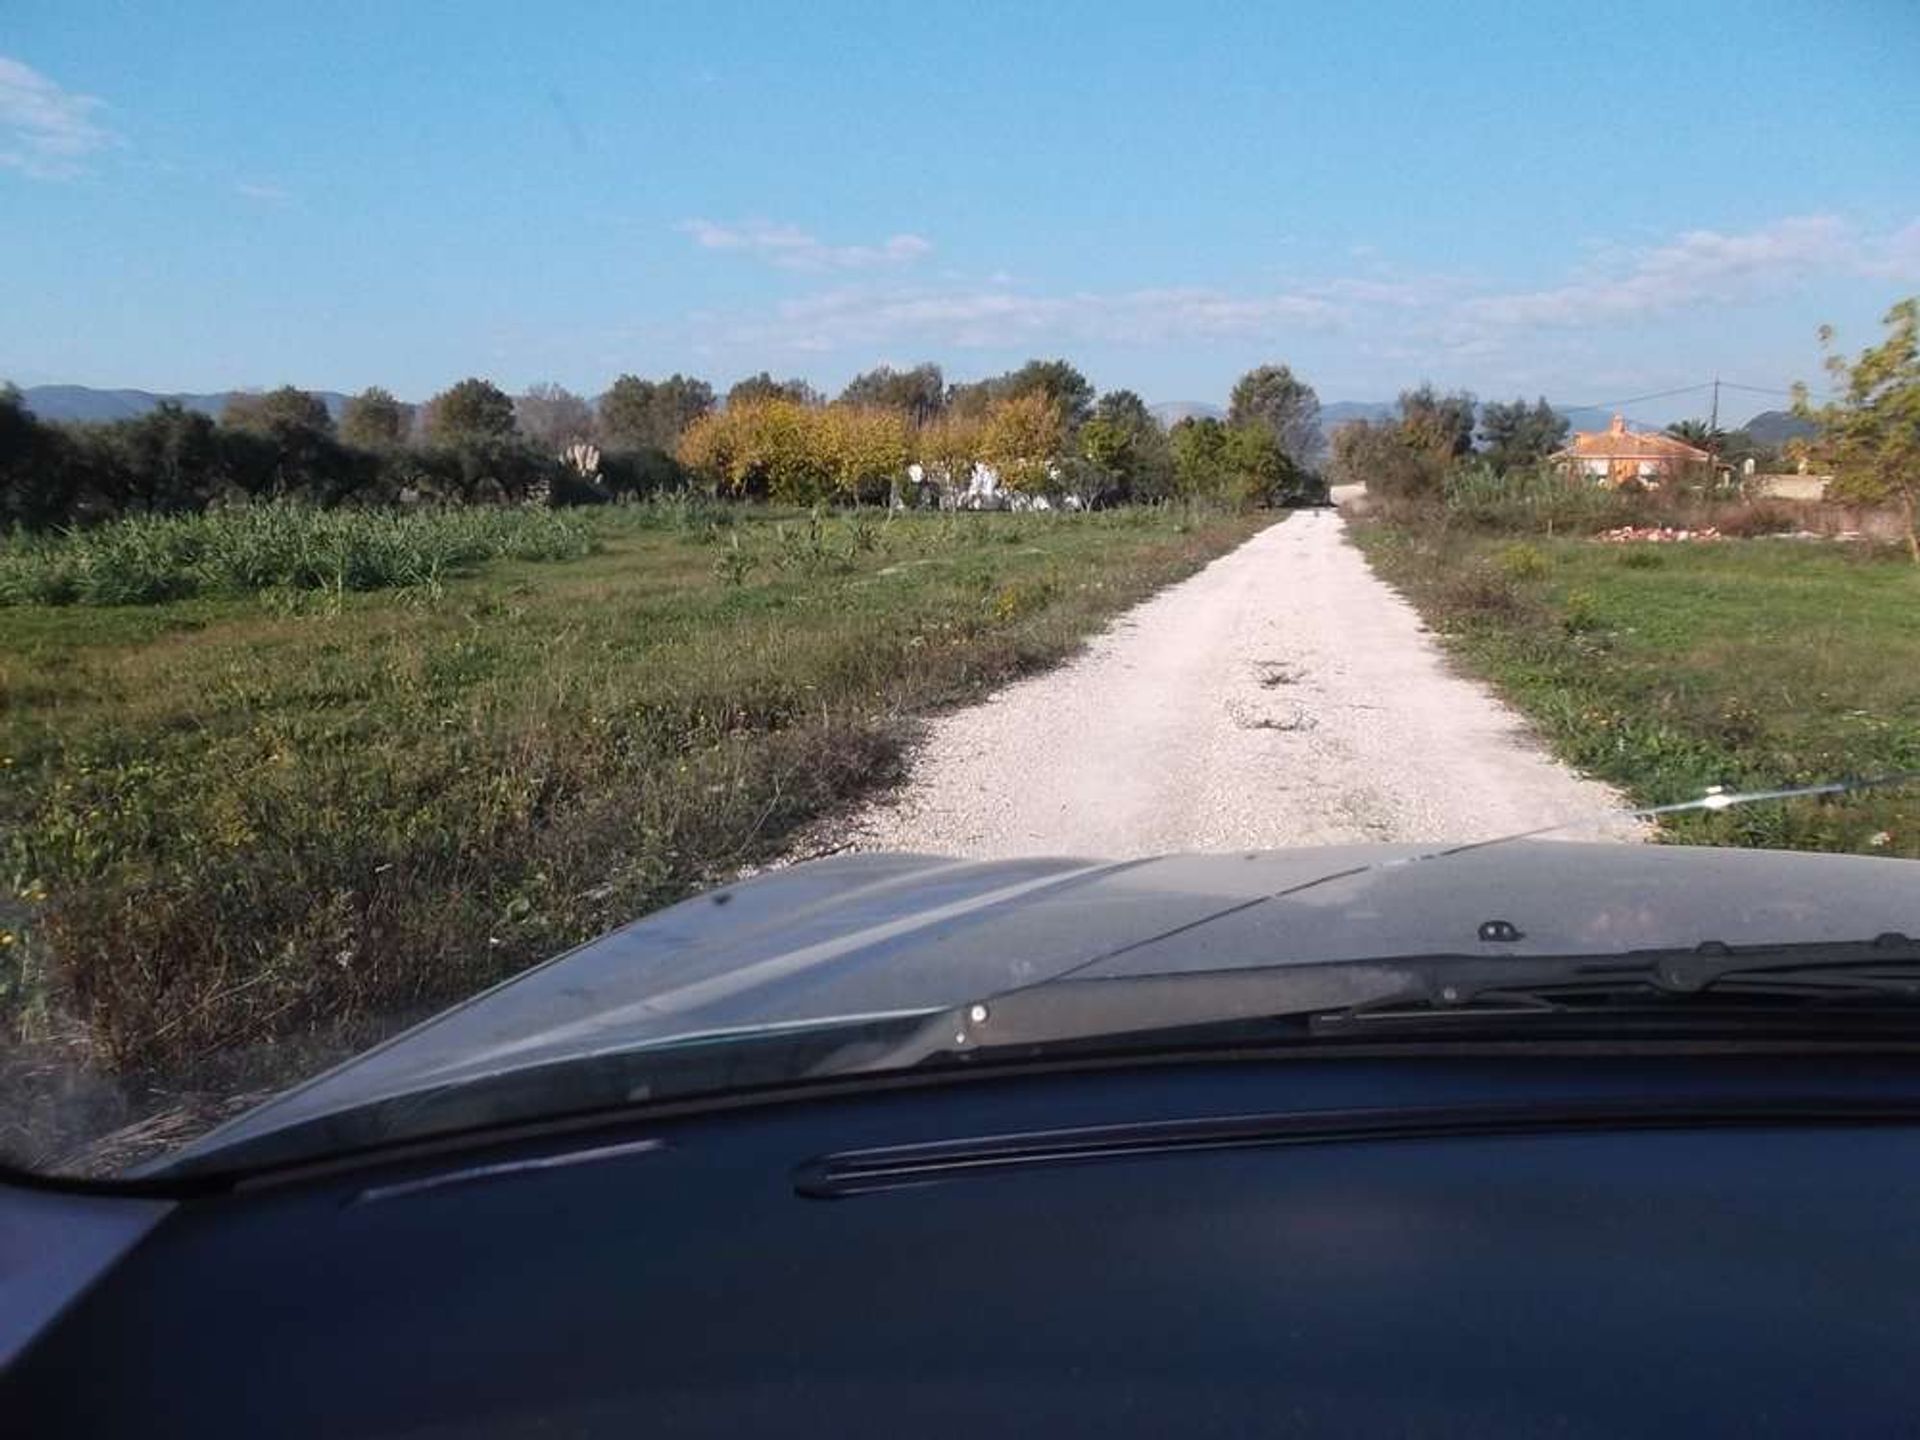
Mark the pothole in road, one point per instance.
(1272, 674)
(1251, 720)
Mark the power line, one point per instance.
(1637, 399)
(1769, 390)
(1620, 406)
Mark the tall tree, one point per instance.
(553, 417)
(764, 387)
(167, 459)
(1023, 440)
(948, 448)
(972, 399)
(638, 414)
(1384, 457)
(474, 409)
(867, 448)
(1870, 432)
(1518, 434)
(1274, 397)
(40, 483)
(1126, 442)
(919, 393)
(374, 420)
(1441, 425)
(1239, 465)
(1064, 387)
(281, 443)
(277, 412)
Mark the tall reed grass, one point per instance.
(145, 560)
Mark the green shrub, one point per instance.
(1522, 562)
(1580, 613)
(1536, 500)
(145, 560)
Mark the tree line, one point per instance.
(1410, 453)
(907, 436)
(472, 443)
(1042, 427)
(1432, 433)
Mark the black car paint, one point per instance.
(1582, 1279)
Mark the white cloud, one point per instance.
(1437, 320)
(264, 193)
(45, 132)
(792, 248)
(1698, 267)
(1896, 257)
(1410, 294)
(995, 316)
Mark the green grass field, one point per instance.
(1669, 668)
(234, 818)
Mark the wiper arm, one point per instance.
(1302, 1002)
(1884, 971)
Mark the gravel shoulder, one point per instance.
(1282, 696)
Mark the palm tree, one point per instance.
(1699, 434)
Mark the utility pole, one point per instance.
(1713, 445)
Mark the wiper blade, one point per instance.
(1304, 1002)
(1845, 982)
(1882, 972)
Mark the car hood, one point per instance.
(872, 935)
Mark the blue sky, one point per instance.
(1592, 202)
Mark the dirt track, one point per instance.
(1282, 696)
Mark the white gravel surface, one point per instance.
(1282, 696)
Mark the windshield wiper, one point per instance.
(1347, 998)
(1882, 973)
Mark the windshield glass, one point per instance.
(563, 486)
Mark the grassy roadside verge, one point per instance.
(1668, 668)
(230, 821)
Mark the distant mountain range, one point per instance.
(1775, 427)
(82, 402)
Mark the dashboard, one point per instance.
(1530, 1243)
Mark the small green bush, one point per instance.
(1521, 562)
(146, 560)
(1580, 613)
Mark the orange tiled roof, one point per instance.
(1617, 442)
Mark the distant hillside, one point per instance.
(1775, 427)
(82, 402)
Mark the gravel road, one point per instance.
(1282, 696)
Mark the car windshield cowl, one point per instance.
(1348, 996)
(710, 1064)
(1289, 1004)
